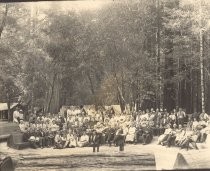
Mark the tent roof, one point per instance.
(116, 108)
(3, 106)
(89, 109)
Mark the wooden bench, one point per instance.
(4, 137)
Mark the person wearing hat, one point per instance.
(96, 140)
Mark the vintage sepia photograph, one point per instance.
(111, 85)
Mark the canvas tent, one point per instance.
(90, 109)
(73, 110)
(116, 108)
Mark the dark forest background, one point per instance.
(148, 53)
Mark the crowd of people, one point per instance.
(77, 128)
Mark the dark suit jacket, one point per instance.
(96, 138)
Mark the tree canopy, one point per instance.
(125, 52)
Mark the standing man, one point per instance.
(96, 140)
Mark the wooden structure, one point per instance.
(4, 110)
(16, 140)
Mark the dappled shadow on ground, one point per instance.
(90, 162)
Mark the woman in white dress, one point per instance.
(131, 134)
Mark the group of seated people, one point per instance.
(195, 131)
(80, 129)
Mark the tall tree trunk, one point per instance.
(196, 104)
(91, 83)
(178, 84)
(159, 79)
(32, 27)
(121, 97)
(201, 60)
(10, 116)
(32, 95)
(3, 23)
(51, 93)
(55, 103)
(191, 91)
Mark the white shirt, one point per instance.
(57, 138)
(21, 115)
(204, 116)
(132, 130)
(16, 114)
(195, 124)
(172, 116)
(145, 116)
(84, 138)
(168, 131)
(181, 114)
(54, 127)
(23, 127)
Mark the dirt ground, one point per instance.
(134, 157)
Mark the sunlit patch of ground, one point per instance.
(135, 157)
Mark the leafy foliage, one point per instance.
(105, 56)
